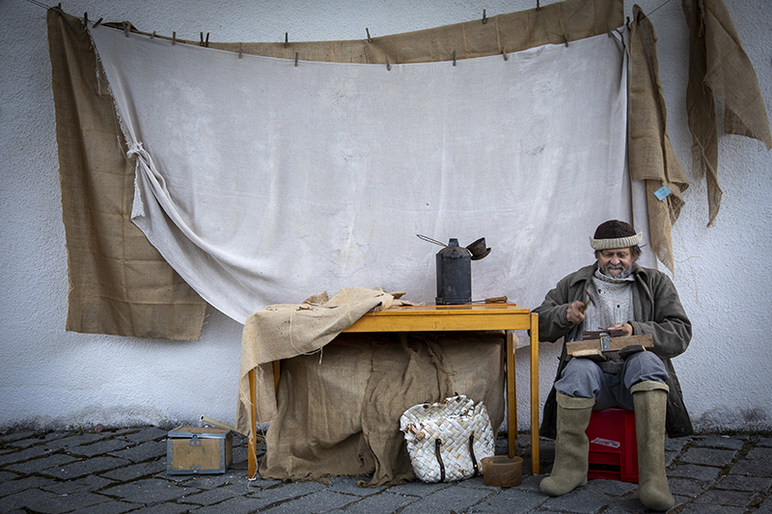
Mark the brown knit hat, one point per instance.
(615, 234)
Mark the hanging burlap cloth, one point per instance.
(340, 396)
(651, 157)
(719, 65)
(119, 284)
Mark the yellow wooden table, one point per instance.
(453, 318)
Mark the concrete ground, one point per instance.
(116, 471)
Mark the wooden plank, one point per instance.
(444, 318)
(593, 346)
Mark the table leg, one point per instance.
(252, 440)
(511, 395)
(534, 393)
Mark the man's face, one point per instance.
(616, 262)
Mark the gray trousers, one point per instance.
(583, 378)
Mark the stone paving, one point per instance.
(117, 471)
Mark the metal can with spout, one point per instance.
(454, 275)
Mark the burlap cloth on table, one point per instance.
(340, 397)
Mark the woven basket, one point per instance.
(447, 440)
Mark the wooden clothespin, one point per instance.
(286, 39)
(241, 49)
(369, 39)
(485, 18)
(296, 59)
(174, 38)
(388, 64)
(454, 57)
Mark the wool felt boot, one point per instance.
(650, 401)
(572, 448)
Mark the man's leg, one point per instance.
(644, 377)
(650, 400)
(583, 378)
(580, 382)
(571, 446)
(639, 367)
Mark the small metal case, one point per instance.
(198, 451)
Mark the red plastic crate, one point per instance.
(613, 447)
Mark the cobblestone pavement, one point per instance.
(116, 471)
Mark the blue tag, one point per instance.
(662, 193)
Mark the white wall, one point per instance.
(52, 378)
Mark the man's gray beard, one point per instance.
(626, 272)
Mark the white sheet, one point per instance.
(261, 182)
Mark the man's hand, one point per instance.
(575, 312)
(626, 328)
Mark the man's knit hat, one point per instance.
(615, 234)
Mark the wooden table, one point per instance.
(452, 318)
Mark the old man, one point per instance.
(615, 293)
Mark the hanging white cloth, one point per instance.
(262, 182)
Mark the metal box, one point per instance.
(198, 451)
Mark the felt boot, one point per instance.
(650, 400)
(572, 448)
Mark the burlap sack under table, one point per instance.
(432, 319)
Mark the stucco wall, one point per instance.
(52, 378)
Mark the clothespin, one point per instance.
(296, 59)
(152, 36)
(241, 49)
(454, 57)
(388, 64)
(286, 39)
(85, 19)
(485, 19)
(206, 43)
(98, 22)
(369, 39)
(537, 5)
(126, 28)
(608, 30)
(565, 38)
(174, 38)
(504, 53)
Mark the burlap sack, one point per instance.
(339, 410)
